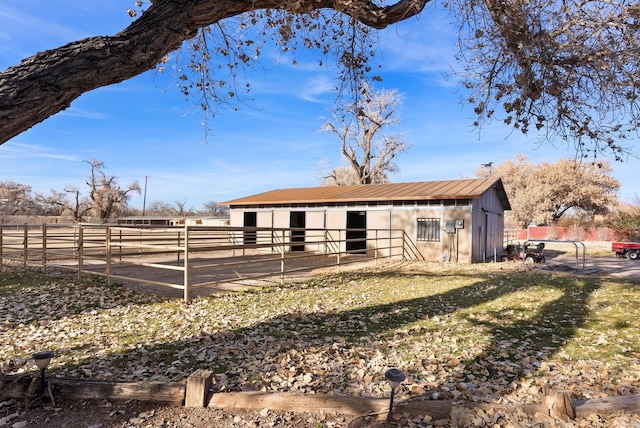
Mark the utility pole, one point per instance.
(144, 198)
(488, 165)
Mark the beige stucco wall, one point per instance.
(379, 219)
(336, 219)
(458, 245)
(264, 219)
(382, 218)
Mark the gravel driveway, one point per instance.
(612, 267)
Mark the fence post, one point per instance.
(282, 246)
(339, 250)
(25, 246)
(326, 241)
(1, 244)
(404, 240)
(178, 246)
(375, 249)
(44, 248)
(107, 238)
(80, 250)
(186, 263)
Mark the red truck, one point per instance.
(630, 250)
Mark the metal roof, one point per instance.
(421, 190)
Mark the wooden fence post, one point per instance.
(559, 403)
(198, 385)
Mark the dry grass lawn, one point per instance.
(492, 333)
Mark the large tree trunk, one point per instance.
(47, 83)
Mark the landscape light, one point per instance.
(42, 360)
(395, 377)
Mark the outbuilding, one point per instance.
(450, 220)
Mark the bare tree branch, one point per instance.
(358, 125)
(566, 68)
(106, 196)
(46, 83)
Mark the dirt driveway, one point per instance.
(255, 272)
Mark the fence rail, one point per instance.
(193, 257)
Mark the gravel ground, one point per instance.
(114, 414)
(132, 414)
(611, 267)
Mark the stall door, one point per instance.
(356, 232)
(250, 220)
(297, 223)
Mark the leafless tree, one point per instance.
(216, 209)
(79, 207)
(159, 208)
(346, 176)
(55, 203)
(180, 208)
(107, 197)
(359, 126)
(15, 198)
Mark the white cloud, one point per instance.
(423, 45)
(84, 113)
(35, 33)
(31, 26)
(316, 87)
(25, 151)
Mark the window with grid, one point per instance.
(428, 229)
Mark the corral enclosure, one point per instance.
(189, 258)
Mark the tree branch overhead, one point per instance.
(46, 83)
(565, 69)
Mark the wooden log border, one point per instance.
(27, 387)
(195, 392)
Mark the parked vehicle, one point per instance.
(630, 250)
(527, 253)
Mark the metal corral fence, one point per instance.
(192, 257)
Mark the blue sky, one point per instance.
(143, 128)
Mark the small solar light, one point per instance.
(42, 360)
(395, 377)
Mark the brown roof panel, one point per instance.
(423, 190)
